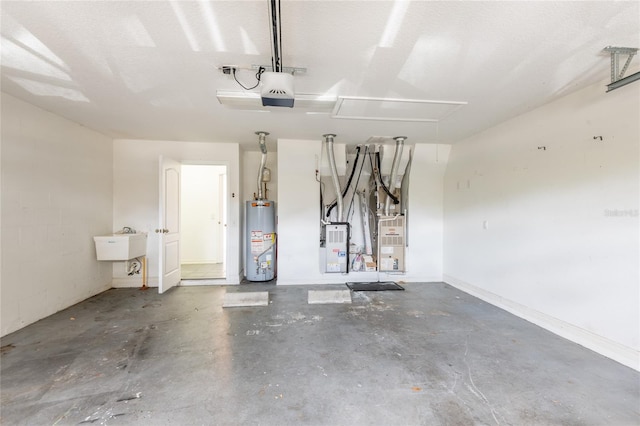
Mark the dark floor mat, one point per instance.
(375, 286)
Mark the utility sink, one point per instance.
(121, 246)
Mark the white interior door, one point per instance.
(169, 228)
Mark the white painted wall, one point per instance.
(299, 217)
(561, 244)
(425, 217)
(56, 195)
(136, 193)
(201, 214)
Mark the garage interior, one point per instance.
(483, 155)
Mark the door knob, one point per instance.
(166, 231)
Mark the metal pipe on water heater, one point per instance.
(397, 157)
(263, 161)
(328, 138)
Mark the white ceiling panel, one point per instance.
(389, 109)
(150, 70)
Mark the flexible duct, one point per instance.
(397, 156)
(346, 188)
(328, 138)
(378, 175)
(263, 160)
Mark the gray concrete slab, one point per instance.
(321, 297)
(430, 355)
(240, 299)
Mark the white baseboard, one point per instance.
(203, 282)
(136, 281)
(606, 347)
(235, 279)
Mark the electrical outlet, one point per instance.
(227, 69)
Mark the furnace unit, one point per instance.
(391, 244)
(337, 247)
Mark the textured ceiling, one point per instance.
(149, 70)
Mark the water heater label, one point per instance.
(256, 247)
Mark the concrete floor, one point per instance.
(430, 355)
(200, 271)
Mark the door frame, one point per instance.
(226, 245)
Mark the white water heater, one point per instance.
(260, 259)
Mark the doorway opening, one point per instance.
(203, 221)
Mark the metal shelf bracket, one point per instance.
(617, 75)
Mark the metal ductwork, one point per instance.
(328, 139)
(263, 161)
(397, 157)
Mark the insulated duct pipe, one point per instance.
(397, 157)
(328, 139)
(263, 160)
(346, 188)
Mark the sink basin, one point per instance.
(121, 246)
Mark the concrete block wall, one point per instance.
(541, 218)
(57, 185)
